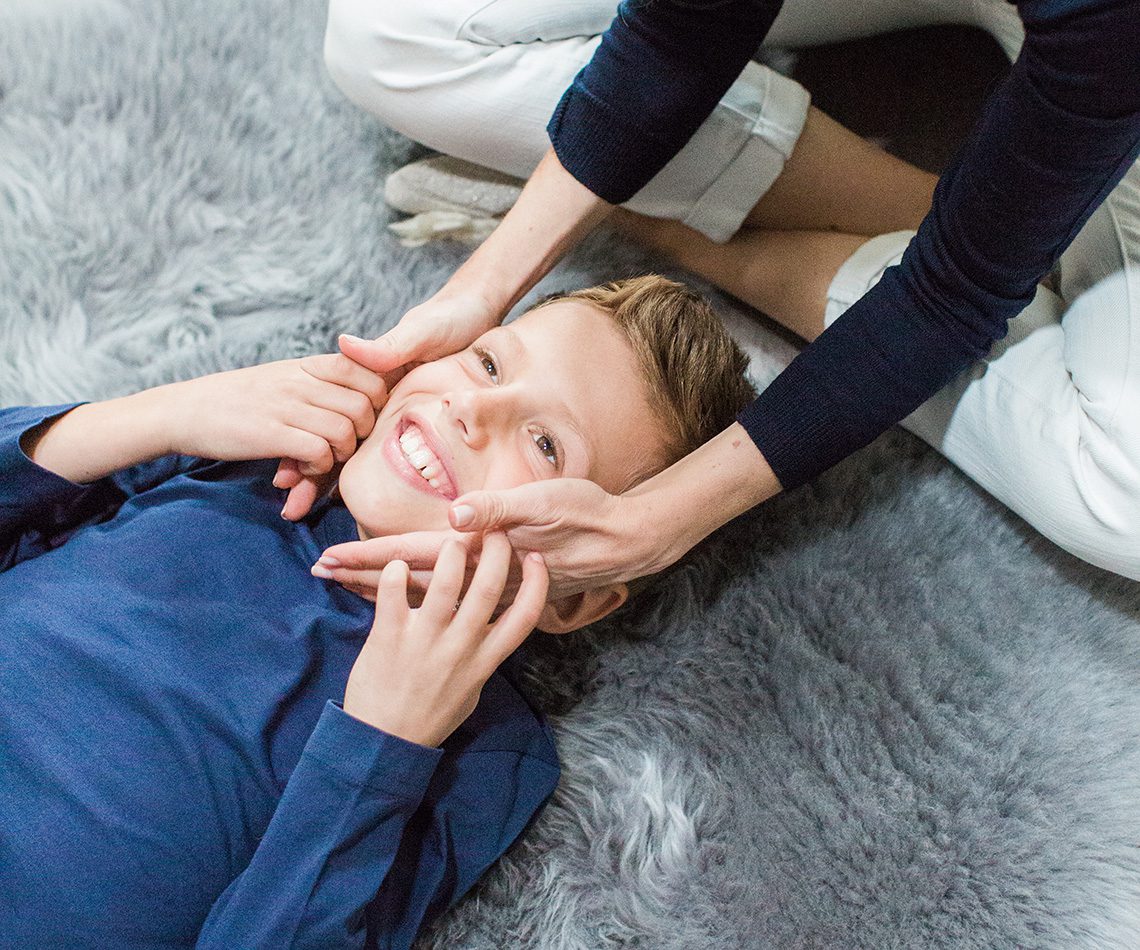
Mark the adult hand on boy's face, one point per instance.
(357, 565)
(420, 672)
(587, 537)
(444, 324)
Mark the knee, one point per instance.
(378, 53)
(1105, 529)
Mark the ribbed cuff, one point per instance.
(789, 430)
(599, 148)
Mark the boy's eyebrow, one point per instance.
(518, 351)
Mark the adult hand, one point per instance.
(442, 325)
(421, 670)
(586, 536)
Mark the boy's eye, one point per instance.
(488, 363)
(547, 447)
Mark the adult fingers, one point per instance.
(364, 582)
(419, 549)
(532, 503)
(446, 585)
(516, 623)
(482, 597)
(369, 593)
(394, 349)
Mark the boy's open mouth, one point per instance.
(420, 447)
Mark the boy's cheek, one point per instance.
(381, 503)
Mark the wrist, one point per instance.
(95, 439)
(394, 722)
(698, 494)
(155, 420)
(552, 214)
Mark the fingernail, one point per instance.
(283, 511)
(462, 515)
(276, 479)
(349, 336)
(323, 572)
(328, 561)
(535, 556)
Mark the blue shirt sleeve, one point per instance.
(372, 837)
(39, 510)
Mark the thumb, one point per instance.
(499, 510)
(382, 355)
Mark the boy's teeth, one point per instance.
(411, 441)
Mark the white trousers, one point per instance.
(1049, 423)
(479, 79)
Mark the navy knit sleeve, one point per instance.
(1053, 140)
(659, 71)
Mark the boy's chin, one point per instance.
(383, 505)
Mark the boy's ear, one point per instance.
(577, 610)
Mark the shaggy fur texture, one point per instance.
(878, 712)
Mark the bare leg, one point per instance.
(835, 191)
(837, 181)
(784, 274)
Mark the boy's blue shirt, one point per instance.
(175, 767)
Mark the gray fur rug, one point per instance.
(878, 712)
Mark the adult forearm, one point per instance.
(97, 439)
(688, 501)
(552, 214)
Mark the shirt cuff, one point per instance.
(18, 422)
(365, 756)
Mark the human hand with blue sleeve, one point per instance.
(421, 670)
(313, 409)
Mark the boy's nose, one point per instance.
(477, 413)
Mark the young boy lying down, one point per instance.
(177, 767)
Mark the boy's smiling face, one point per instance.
(557, 393)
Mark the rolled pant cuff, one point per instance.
(721, 209)
(862, 270)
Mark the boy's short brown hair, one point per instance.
(695, 374)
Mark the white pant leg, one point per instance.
(803, 23)
(1049, 422)
(479, 80)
